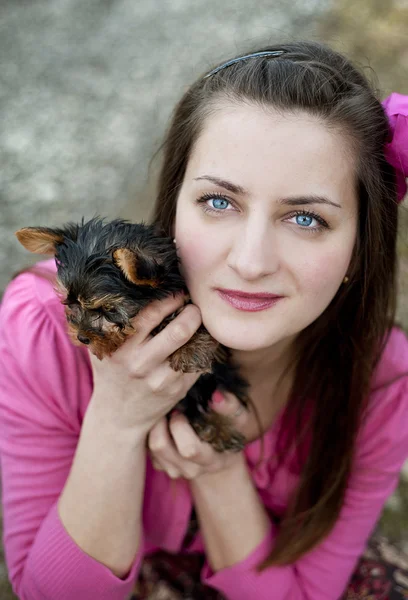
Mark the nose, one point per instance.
(254, 254)
(83, 339)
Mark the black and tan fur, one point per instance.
(106, 273)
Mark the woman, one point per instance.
(277, 180)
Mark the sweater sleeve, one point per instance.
(324, 572)
(43, 379)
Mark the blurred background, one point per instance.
(87, 89)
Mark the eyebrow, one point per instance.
(292, 201)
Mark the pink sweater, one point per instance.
(45, 387)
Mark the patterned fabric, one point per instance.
(381, 574)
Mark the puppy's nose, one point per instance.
(83, 339)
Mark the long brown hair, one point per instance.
(338, 352)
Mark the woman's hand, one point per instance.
(135, 387)
(176, 449)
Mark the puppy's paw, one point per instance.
(218, 430)
(197, 355)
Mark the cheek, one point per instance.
(321, 268)
(195, 247)
(196, 255)
(321, 277)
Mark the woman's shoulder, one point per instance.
(34, 288)
(384, 431)
(35, 350)
(32, 317)
(393, 363)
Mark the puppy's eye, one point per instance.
(72, 309)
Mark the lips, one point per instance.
(251, 303)
(239, 293)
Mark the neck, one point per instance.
(265, 365)
(263, 369)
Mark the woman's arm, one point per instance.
(101, 503)
(227, 513)
(234, 524)
(44, 385)
(232, 518)
(90, 538)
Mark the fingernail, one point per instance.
(217, 397)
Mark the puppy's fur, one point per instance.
(106, 273)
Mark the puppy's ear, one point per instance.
(44, 240)
(40, 240)
(136, 267)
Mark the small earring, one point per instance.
(174, 241)
(345, 280)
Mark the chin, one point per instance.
(239, 338)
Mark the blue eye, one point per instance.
(304, 219)
(219, 206)
(220, 202)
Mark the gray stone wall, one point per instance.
(86, 90)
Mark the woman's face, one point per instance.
(243, 222)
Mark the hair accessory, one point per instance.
(396, 149)
(396, 109)
(235, 60)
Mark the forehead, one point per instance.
(288, 152)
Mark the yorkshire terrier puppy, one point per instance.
(106, 273)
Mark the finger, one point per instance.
(159, 438)
(163, 380)
(93, 360)
(160, 463)
(169, 385)
(96, 363)
(187, 442)
(152, 315)
(161, 445)
(189, 471)
(156, 464)
(171, 471)
(228, 404)
(173, 336)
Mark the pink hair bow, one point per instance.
(396, 149)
